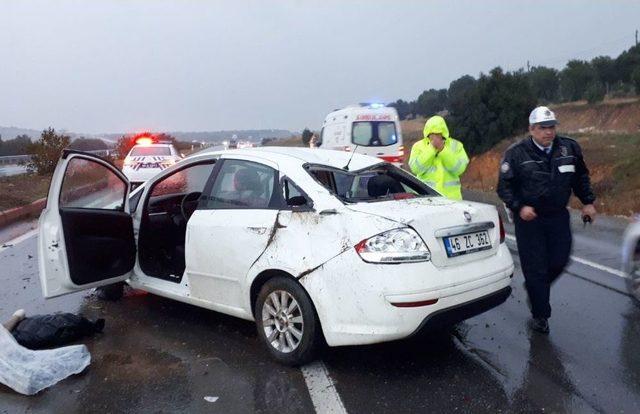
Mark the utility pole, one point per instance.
(636, 37)
(529, 69)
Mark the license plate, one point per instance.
(467, 243)
(149, 165)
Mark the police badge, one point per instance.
(564, 151)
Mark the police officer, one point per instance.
(439, 160)
(537, 176)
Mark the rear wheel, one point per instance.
(286, 321)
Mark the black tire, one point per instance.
(308, 343)
(111, 293)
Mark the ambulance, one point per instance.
(370, 129)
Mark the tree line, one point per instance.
(22, 145)
(485, 110)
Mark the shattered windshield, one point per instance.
(376, 183)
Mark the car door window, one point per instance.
(90, 185)
(242, 185)
(294, 197)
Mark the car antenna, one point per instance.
(346, 167)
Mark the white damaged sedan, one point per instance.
(312, 245)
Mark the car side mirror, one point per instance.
(296, 201)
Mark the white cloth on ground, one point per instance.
(29, 372)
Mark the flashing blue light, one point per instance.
(376, 105)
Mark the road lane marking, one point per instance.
(322, 390)
(588, 263)
(8, 244)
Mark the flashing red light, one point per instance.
(502, 232)
(144, 141)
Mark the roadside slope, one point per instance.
(609, 133)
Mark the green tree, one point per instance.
(575, 78)
(306, 136)
(47, 151)
(627, 62)
(404, 108)
(605, 69)
(595, 92)
(635, 79)
(544, 83)
(431, 102)
(460, 87)
(20, 145)
(494, 108)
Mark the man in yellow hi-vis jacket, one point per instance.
(439, 160)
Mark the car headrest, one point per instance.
(246, 179)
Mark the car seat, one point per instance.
(248, 186)
(382, 185)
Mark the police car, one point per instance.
(147, 159)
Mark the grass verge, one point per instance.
(22, 189)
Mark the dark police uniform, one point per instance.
(530, 177)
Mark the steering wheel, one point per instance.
(187, 199)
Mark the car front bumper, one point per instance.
(361, 303)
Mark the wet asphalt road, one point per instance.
(158, 355)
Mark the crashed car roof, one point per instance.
(336, 159)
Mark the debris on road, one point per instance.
(50, 331)
(29, 372)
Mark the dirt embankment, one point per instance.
(610, 139)
(613, 116)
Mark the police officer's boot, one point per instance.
(540, 325)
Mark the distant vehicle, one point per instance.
(147, 159)
(286, 237)
(233, 144)
(631, 258)
(245, 144)
(373, 128)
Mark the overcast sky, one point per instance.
(122, 65)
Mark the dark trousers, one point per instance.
(544, 245)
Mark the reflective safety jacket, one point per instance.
(439, 170)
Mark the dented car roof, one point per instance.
(336, 159)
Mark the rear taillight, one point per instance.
(401, 151)
(391, 158)
(502, 233)
(394, 246)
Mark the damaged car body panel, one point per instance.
(299, 240)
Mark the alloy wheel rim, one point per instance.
(282, 321)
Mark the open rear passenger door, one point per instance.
(85, 232)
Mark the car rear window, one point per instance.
(144, 151)
(376, 183)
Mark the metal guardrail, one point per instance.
(23, 159)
